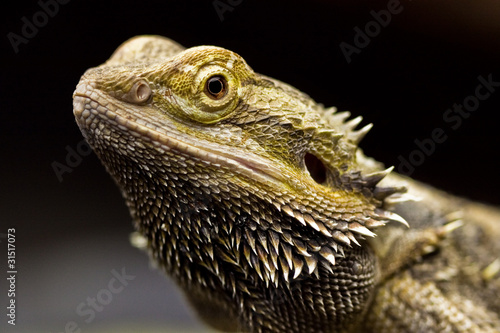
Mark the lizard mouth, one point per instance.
(92, 108)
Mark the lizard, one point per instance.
(258, 202)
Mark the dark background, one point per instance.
(71, 234)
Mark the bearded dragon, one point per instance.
(258, 202)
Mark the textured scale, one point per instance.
(258, 202)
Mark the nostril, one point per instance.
(140, 93)
(143, 91)
(315, 167)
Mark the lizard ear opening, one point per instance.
(316, 168)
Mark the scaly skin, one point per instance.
(257, 201)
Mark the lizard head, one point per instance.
(231, 170)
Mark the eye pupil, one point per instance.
(216, 87)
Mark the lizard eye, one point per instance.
(215, 91)
(216, 87)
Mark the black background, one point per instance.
(72, 234)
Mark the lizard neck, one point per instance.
(209, 241)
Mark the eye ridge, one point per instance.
(216, 87)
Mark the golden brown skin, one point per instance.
(257, 201)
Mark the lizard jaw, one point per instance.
(92, 106)
(96, 111)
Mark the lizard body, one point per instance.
(258, 202)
